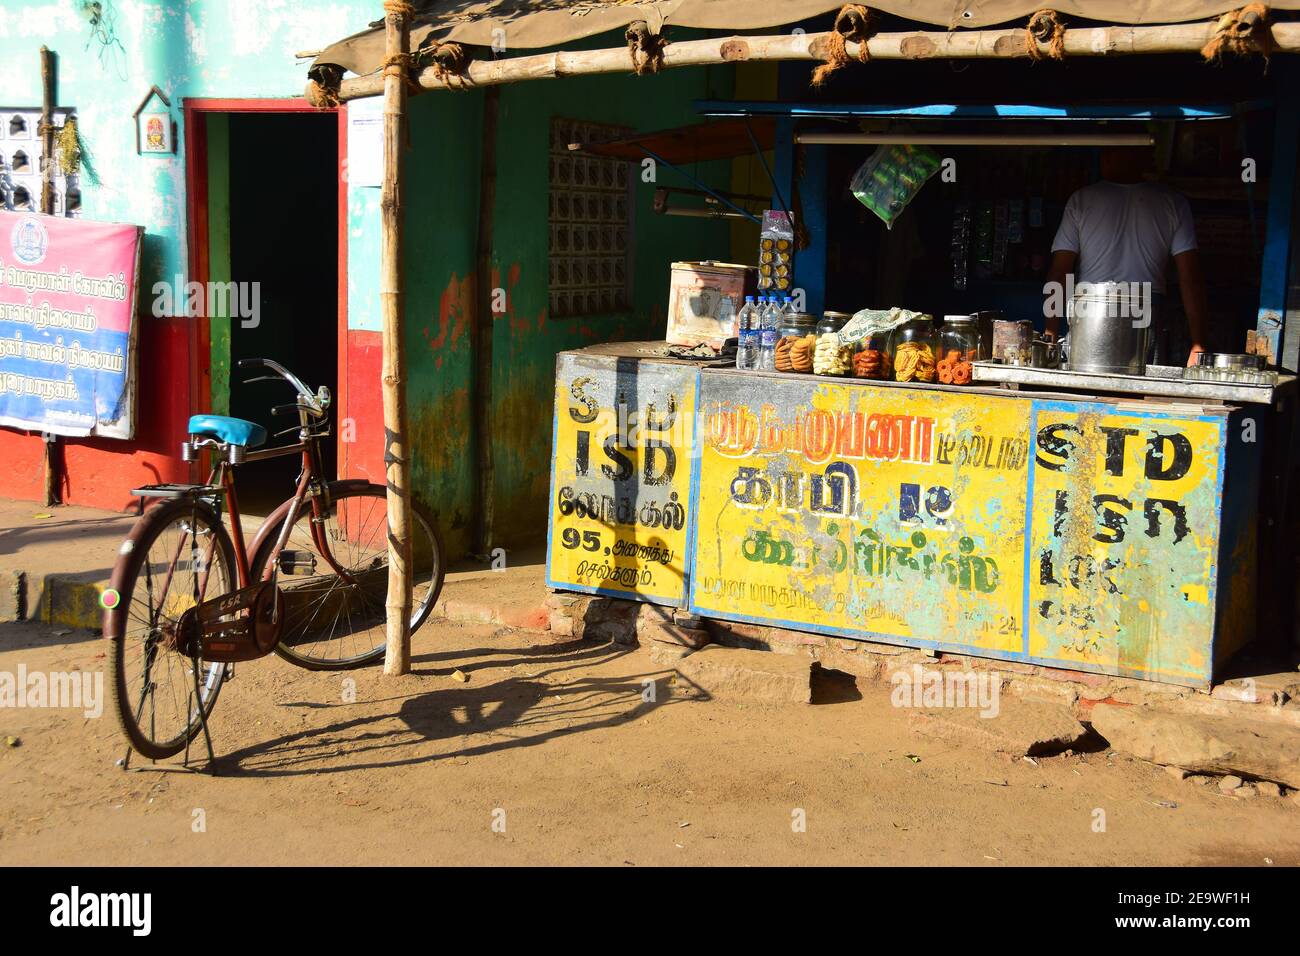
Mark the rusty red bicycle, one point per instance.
(188, 599)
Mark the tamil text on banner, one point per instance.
(621, 476)
(67, 324)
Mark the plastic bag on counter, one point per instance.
(891, 177)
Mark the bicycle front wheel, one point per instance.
(333, 572)
(177, 556)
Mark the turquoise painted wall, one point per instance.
(188, 48)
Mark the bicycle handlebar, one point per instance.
(314, 404)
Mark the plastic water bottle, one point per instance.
(767, 341)
(747, 328)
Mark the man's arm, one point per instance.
(1191, 284)
(1054, 305)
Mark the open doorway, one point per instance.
(267, 210)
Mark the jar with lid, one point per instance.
(832, 322)
(797, 324)
(796, 336)
(873, 357)
(913, 348)
(959, 346)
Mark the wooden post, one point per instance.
(53, 456)
(397, 461)
(483, 326)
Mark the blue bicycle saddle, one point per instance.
(234, 431)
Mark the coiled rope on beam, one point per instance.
(856, 23)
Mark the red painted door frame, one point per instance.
(196, 191)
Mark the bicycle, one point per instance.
(186, 601)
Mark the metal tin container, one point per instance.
(1109, 329)
(1013, 341)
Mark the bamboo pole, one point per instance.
(49, 99)
(812, 47)
(397, 657)
(483, 329)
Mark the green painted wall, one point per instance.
(526, 339)
(441, 193)
(440, 224)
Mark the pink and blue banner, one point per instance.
(67, 324)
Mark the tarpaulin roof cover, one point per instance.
(534, 24)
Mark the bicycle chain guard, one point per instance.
(240, 626)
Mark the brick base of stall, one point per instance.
(670, 634)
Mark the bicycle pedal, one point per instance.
(297, 562)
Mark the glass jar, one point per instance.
(913, 347)
(832, 322)
(797, 324)
(873, 358)
(959, 346)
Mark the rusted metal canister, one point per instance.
(1013, 341)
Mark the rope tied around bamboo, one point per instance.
(399, 64)
(323, 85)
(645, 48)
(856, 23)
(449, 60)
(1045, 29)
(1242, 32)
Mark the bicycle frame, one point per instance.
(222, 476)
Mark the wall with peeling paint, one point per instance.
(526, 338)
(188, 48)
(441, 210)
(228, 49)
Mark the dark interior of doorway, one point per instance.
(284, 235)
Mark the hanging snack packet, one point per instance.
(776, 252)
(891, 177)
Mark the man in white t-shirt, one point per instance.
(1123, 229)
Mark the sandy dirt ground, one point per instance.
(550, 754)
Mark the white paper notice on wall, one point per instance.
(366, 142)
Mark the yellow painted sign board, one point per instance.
(852, 508)
(621, 477)
(1072, 533)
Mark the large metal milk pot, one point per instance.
(1110, 325)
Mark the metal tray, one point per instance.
(1160, 380)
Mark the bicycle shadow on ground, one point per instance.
(477, 719)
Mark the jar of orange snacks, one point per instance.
(959, 345)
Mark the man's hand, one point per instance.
(1054, 304)
(1192, 286)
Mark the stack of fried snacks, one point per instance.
(914, 362)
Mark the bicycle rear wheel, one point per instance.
(177, 555)
(334, 615)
